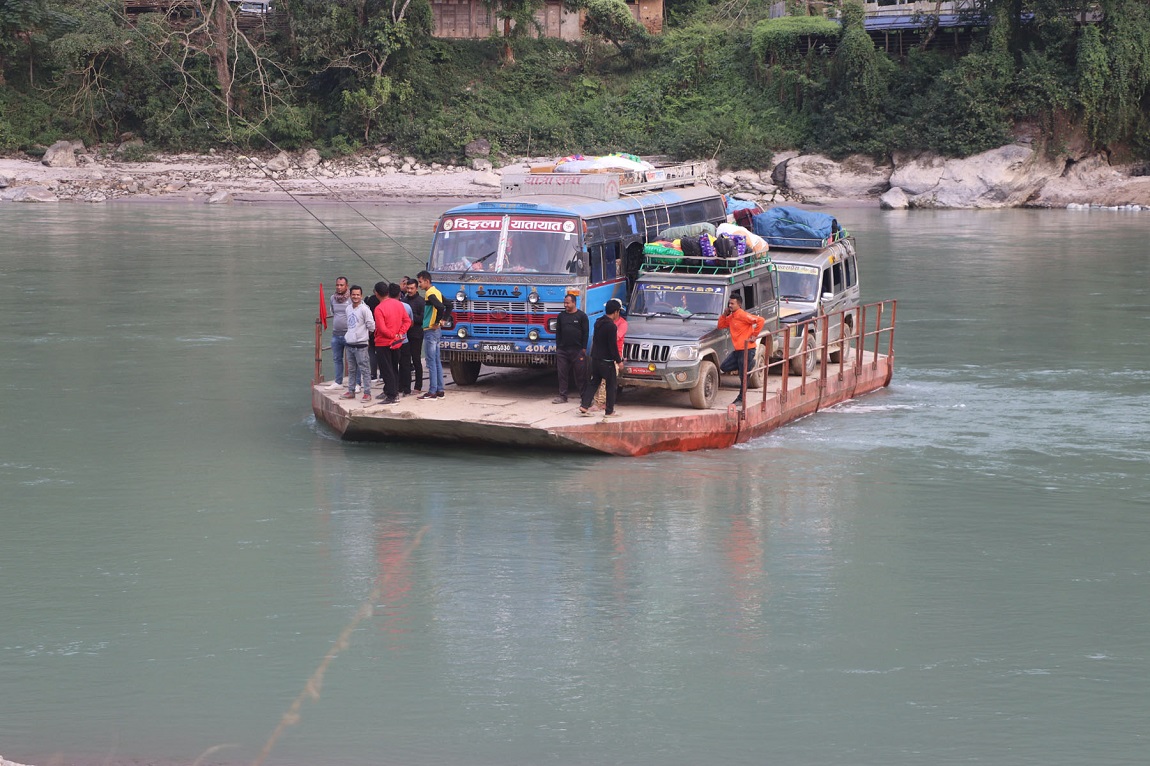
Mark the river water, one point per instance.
(952, 570)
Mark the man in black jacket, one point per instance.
(605, 359)
(411, 362)
(571, 332)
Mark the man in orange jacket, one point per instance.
(745, 329)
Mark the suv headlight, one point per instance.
(684, 353)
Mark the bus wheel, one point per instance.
(703, 394)
(464, 373)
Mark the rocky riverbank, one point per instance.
(1012, 176)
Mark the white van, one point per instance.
(815, 283)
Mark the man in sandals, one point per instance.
(605, 360)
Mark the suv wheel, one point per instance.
(703, 394)
(805, 362)
(847, 335)
(755, 379)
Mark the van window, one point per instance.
(826, 288)
(837, 278)
(849, 268)
(767, 289)
(749, 297)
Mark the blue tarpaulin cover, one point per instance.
(791, 227)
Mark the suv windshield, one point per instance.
(505, 244)
(654, 299)
(798, 283)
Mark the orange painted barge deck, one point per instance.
(513, 409)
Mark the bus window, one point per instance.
(596, 263)
(611, 228)
(610, 260)
(631, 225)
(594, 231)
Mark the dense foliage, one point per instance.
(722, 80)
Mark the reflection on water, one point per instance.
(948, 570)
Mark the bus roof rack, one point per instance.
(662, 264)
(604, 185)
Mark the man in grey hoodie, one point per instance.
(359, 324)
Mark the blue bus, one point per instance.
(507, 263)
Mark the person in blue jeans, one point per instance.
(338, 303)
(433, 313)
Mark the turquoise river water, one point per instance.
(953, 570)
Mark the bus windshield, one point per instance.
(506, 244)
(798, 283)
(654, 299)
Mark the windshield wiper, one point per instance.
(472, 264)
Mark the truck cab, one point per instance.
(673, 340)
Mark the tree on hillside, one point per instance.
(518, 17)
(612, 20)
(21, 23)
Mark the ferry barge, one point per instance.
(508, 264)
(513, 409)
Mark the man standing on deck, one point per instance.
(745, 329)
(433, 311)
(572, 329)
(414, 360)
(371, 302)
(359, 323)
(605, 359)
(391, 323)
(338, 302)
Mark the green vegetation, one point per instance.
(722, 80)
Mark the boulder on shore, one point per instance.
(1008, 176)
(310, 159)
(61, 154)
(279, 163)
(894, 199)
(31, 194)
(814, 177)
(480, 147)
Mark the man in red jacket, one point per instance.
(745, 329)
(391, 323)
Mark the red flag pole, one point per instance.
(322, 307)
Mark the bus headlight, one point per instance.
(533, 335)
(461, 332)
(461, 297)
(552, 324)
(533, 298)
(684, 353)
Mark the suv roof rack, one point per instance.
(798, 243)
(661, 264)
(604, 184)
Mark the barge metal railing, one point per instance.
(864, 345)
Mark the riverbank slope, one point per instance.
(1015, 175)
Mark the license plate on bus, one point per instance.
(496, 346)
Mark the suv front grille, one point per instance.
(646, 352)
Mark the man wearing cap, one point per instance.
(572, 329)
